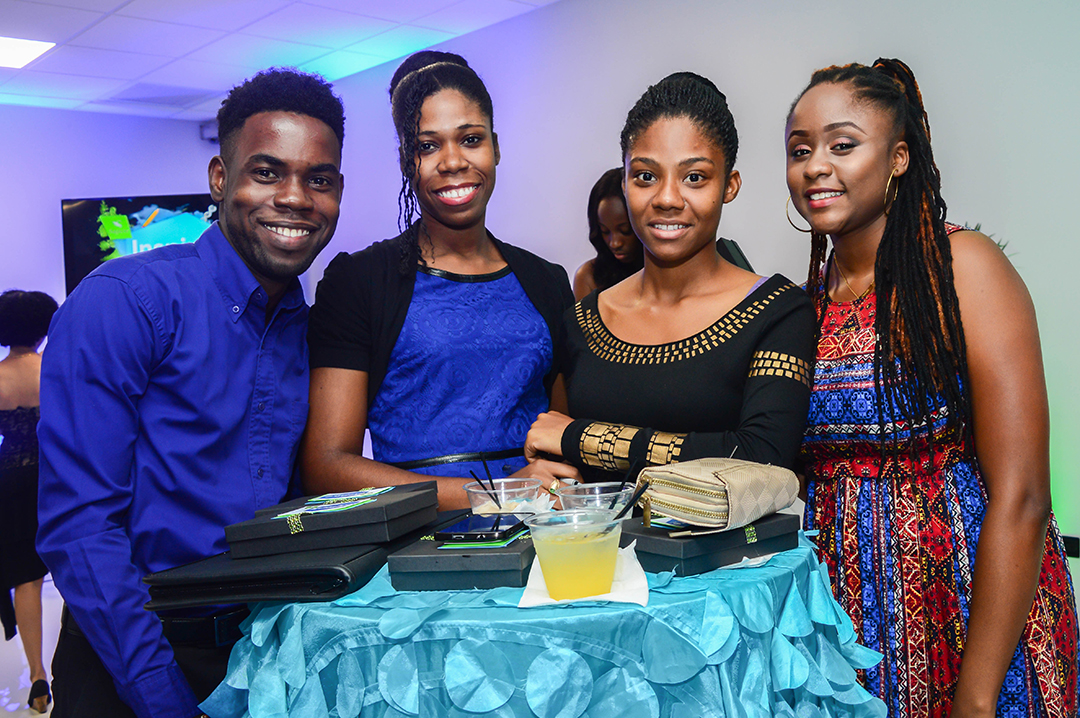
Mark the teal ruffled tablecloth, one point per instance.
(755, 641)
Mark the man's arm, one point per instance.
(102, 347)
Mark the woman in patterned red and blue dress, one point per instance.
(927, 447)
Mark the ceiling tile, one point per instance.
(342, 63)
(30, 101)
(147, 93)
(72, 60)
(131, 34)
(49, 84)
(209, 76)
(215, 14)
(470, 15)
(256, 53)
(320, 26)
(392, 10)
(105, 45)
(194, 116)
(33, 21)
(203, 111)
(141, 110)
(401, 41)
(98, 5)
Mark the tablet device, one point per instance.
(475, 527)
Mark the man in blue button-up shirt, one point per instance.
(173, 393)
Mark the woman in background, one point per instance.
(24, 322)
(618, 250)
(441, 341)
(927, 448)
(692, 357)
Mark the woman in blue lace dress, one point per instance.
(440, 341)
(24, 321)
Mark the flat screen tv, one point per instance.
(103, 228)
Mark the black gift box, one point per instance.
(303, 500)
(691, 555)
(424, 566)
(392, 514)
(318, 575)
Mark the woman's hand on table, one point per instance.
(551, 473)
(545, 435)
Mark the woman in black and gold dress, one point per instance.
(692, 356)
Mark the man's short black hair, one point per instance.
(280, 89)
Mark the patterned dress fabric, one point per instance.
(900, 544)
(466, 374)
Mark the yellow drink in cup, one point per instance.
(577, 551)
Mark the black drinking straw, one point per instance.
(633, 500)
(489, 492)
(631, 473)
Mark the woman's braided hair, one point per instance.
(920, 359)
(419, 77)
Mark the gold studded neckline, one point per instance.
(608, 347)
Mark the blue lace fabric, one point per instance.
(466, 374)
(747, 642)
(19, 430)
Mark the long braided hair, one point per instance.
(920, 359)
(417, 78)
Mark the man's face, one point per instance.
(279, 193)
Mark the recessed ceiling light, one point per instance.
(17, 53)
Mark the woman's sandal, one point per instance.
(39, 696)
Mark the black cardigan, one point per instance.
(363, 299)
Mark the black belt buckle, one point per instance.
(227, 627)
(220, 630)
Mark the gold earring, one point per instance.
(787, 213)
(896, 191)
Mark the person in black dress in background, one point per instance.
(618, 250)
(692, 357)
(24, 322)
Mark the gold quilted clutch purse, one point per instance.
(719, 493)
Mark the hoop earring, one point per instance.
(896, 191)
(787, 213)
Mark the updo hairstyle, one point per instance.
(419, 77)
(685, 94)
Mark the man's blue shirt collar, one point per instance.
(238, 286)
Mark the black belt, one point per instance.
(455, 458)
(222, 629)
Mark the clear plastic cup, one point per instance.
(608, 495)
(511, 493)
(577, 550)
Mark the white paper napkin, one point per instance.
(629, 586)
(751, 562)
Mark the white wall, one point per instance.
(999, 80)
(50, 155)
